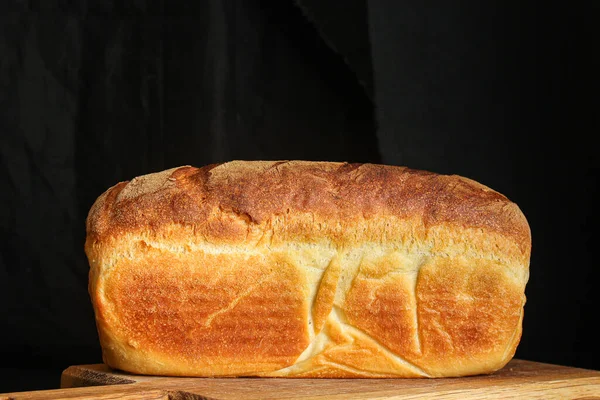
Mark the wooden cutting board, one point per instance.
(518, 380)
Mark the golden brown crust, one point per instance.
(307, 269)
(255, 192)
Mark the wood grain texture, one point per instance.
(518, 380)
(127, 392)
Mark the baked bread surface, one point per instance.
(307, 269)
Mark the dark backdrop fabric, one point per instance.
(98, 92)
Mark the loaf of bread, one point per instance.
(307, 269)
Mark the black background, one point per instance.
(93, 93)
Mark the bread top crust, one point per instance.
(253, 201)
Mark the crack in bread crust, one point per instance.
(416, 313)
(356, 332)
(209, 319)
(322, 303)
